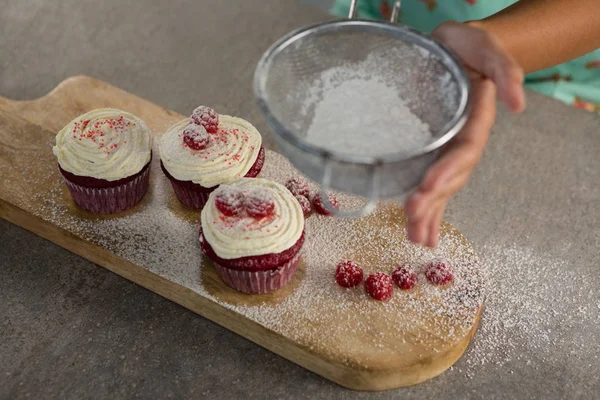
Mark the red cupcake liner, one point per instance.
(110, 200)
(191, 197)
(195, 196)
(259, 282)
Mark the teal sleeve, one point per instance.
(575, 82)
(366, 9)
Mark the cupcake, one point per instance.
(253, 230)
(202, 152)
(104, 158)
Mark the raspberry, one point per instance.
(304, 204)
(207, 117)
(196, 137)
(320, 207)
(439, 271)
(348, 274)
(298, 186)
(259, 203)
(229, 200)
(404, 276)
(379, 286)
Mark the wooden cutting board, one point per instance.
(340, 334)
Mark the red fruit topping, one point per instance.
(259, 203)
(439, 271)
(379, 286)
(348, 274)
(298, 186)
(196, 137)
(207, 117)
(404, 276)
(304, 204)
(320, 207)
(229, 200)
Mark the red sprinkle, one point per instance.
(348, 274)
(379, 286)
(405, 277)
(439, 271)
(320, 207)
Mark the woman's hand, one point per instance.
(493, 72)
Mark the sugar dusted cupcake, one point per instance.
(202, 152)
(104, 158)
(253, 230)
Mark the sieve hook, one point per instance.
(395, 10)
(368, 208)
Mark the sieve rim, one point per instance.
(402, 32)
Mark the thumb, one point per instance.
(483, 52)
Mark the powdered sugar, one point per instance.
(163, 237)
(366, 116)
(534, 305)
(522, 306)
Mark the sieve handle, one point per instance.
(353, 9)
(367, 209)
(395, 12)
(393, 18)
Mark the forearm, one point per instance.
(543, 33)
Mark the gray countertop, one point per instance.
(69, 329)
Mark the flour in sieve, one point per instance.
(367, 117)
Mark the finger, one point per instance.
(415, 230)
(418, 230)
(435, 223)
(418, 200)
(428, 221)
(425, 228)
(425, 223)
(463, 153)
(490, 59)
(508, 76)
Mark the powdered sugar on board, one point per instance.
(158, 236)
(161, 235)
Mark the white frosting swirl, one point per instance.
(244, 236)
(229, 155)
(105, 144)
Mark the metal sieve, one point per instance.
(428, 77)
